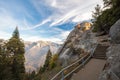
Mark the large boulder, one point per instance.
(113, 63)
(80, 41)
(115, 32)
(113, 56)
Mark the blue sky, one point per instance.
(49, 20)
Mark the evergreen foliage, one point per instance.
(97, 12)
(16, 48)
(53, 61)
(51, 64)
(12, 59)
(16, 33)
(108, 16)
(47, 61)
(5, 66)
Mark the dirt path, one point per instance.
(91, 71)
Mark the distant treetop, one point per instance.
(16, 33)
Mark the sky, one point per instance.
(47, 20)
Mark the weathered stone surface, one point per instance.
(115, 32)
(113, 54)
(113, 59)
(80, 38)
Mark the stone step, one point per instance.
(99, 57)
(100, 52)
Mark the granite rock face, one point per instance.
(115, 32)
(80, 40)
(113, 55)
(113, 61)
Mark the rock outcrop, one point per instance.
(112, 70)
(113, 63)
(81, 40)
(115, 32)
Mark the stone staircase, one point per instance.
(100, 52)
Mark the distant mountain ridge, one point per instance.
(36, 52)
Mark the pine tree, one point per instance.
(111, 3)
(96, 22)
(48, 58)
(5, 65)
(54, 61)
(16, 33)
(107, 3)
(97, 12)
(107, 17)
(16, 50)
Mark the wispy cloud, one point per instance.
(43, 19)
(69, 9)
(82, 17)
(4, 35)
(38, 25)
(8, 21)
(64, 34)
(37, 38)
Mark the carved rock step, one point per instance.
(100, 52)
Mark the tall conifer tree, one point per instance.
(15, 49)
(48, 58)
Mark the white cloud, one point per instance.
(64, 4)
(82, 17)
(66, 17)
(64, 10)
(56, 38)
(38, 25)
(37, 38)
(54, 3)
(75, 14)
(8, 21)
(58, 29)
(64, 34)
(4, 35)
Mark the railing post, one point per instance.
(62, 75)
(83, 62)
(94, 50)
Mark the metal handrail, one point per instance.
(85, 61)
(80, 60)
(77, 67)
(67, 68)
(117, 78)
